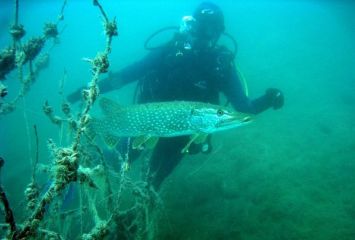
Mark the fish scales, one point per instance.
(165, 119)
(155, 119)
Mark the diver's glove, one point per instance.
(275, 98)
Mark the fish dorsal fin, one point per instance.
(109, 107)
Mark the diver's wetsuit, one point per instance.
(169, 74)
(164, 75)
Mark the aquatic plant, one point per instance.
(81, 162)
(21, 53)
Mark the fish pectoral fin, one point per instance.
(151, 142)
(138, 142)
(110, 140)
(109, 107)
(201, 138)
(196, 138)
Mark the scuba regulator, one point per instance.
(191, 35)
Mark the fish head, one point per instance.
(209, 119)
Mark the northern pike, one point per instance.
(163, 119)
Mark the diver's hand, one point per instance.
(75, 96)
(275, 97)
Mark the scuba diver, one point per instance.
(190, 67)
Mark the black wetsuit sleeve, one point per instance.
(235, 94)
(130, 73)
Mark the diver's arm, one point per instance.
(128, 74)
(234, 92)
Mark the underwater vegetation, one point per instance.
(44, 205)
(288, 175)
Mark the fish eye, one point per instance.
(220, 112)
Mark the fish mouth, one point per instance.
(235, 120)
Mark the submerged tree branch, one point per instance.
(9, 216)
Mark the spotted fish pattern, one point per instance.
(165, 119)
